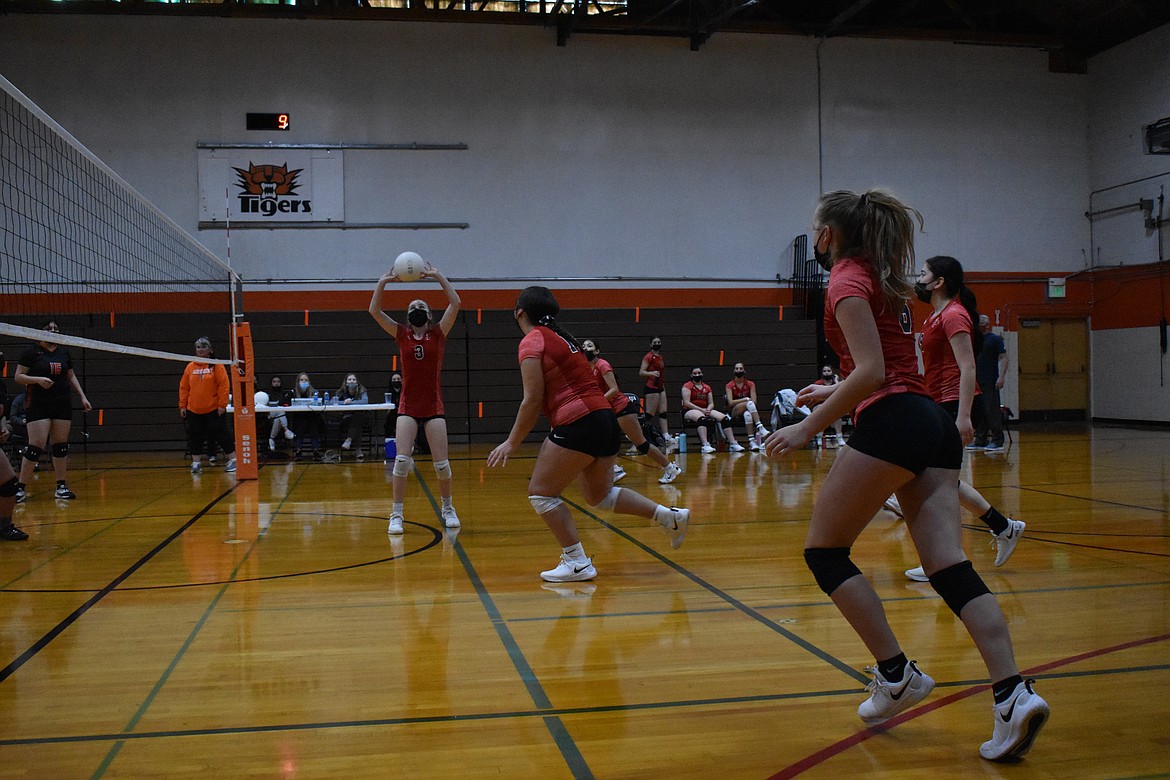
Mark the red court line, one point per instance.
(837, 748)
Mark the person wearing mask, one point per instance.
(203, 400)
(627, 415)
(395, 396)
(740, 394)
(351, 392)
(653, 371)
(583, 443)
(903, 442)
(829, 377)
(278, 420)
(308, 425)
(421, 344)
(698, 408)
(45, 371)
(990, 369)
(949, 345)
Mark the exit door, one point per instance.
(1053, 369)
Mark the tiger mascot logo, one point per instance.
(265, 189)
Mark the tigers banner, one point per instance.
(271, 185)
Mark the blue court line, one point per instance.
(523, 714)
(561, 737)
(727, 597)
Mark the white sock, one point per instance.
(447, 502)
(396, 508)
(662, 515)
(575, 552)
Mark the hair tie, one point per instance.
(547, 320)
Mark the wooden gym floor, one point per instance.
(167, 625)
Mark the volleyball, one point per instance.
(408, 266)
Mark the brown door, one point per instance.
(1053, 369)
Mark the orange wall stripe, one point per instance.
(306, 316)
(393, 363)
(101, 416)
(111, 320)
(481, 409)
(720, 357)
(479, 316)
(637, 314)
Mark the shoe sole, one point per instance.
(1032, 727)
(916, 578)
(575, 578)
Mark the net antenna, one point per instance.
(79, 245)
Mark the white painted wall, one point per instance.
(611, 156)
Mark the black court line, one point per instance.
(561, 737)
(1123, 505)
(727, 597)
(72, 617)
(720, 701)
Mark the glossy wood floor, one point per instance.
(166, 625)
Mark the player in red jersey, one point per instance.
(740, 394)
(902, 442)
(584, 440)
(653, 370)
(625, 406)
(421, 344)
(950, 342)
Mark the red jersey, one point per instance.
(600, 369)
(422, 360)
(654, 362)
(700, 393)
(938, 357)
(570, 390)
(736, 392)
(854, 277)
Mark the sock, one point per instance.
(662, 515)
(575, 552)
(1003, 689)
(995, 521)
(894, 668)
(60, 483)
(448, 502)
(396, 508)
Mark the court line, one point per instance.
(602, 709)
(1087, 499)
(556, 727)
(815, 759)
(72, 617)
(728, 598)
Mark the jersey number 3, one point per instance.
(419, 353)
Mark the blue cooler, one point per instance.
(391, 449)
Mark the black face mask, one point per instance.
(739, 373)
(823, 259)
(418, 317)
(396, 385)
(697, 379)
(921, 292)
(589, 354)
(655, 348)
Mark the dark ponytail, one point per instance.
(950, 271)
(542, 309)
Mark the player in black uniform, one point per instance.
(45, 371)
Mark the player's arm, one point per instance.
(686, 400)
(382, 318)
(76, 385)
(22, 377)
(453, 301)
(644, 370)
(611, 383)
(965, 357)
(1003, 367)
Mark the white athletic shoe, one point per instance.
(395, 525)
(231, 465)
(570, 571)
(918, 574)
(450, 519)
(674, 521)
(618, 472)
(669, 474)
(887, 699)
(271, 444)
(707, 449)
(1005, 543)
(760, 429)
(289, 434)
(197, 467)
(893, 505)
(345, 445)
(1017, 722)
(736, 447)
(840, 440)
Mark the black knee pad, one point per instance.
(8, 489)
(644, 447)
(30, 452)
(726, 423)
(662, 415)
(831, 566)
(958, 585)
(60, 450)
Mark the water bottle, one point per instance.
(316, 398)
(326, 397)
(682, 443)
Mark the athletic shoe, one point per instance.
(669, 474)
(211, 460)
(13, 534)
(231, 465)
(674, 521)
(893, 506)
(345, 445)
(21, 493)
(197, 467)
(1005, 543)
(570, 571)
(918, 574)
(1017, 722)
(840, 440)
(754, 447)
(760, 429)
(618, 472)
(289, 434)
(450, 519)
(271, 444)
(361, 455)
(395, 525)
(64, 493)
(707, 449)
(735, 447)
(887, 699)
(976, 446)
(994, 447)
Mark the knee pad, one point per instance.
(402, 465)
(443, 469)
(662, 415)
(644, 447)
(831, 566)
(958, 585)
(31, 452)
(610, 499)
(8, 489)
(726, 423)
(545, 504)
(60, 450)
(751, 407)
(747, 419)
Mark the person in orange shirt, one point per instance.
(203, 400)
